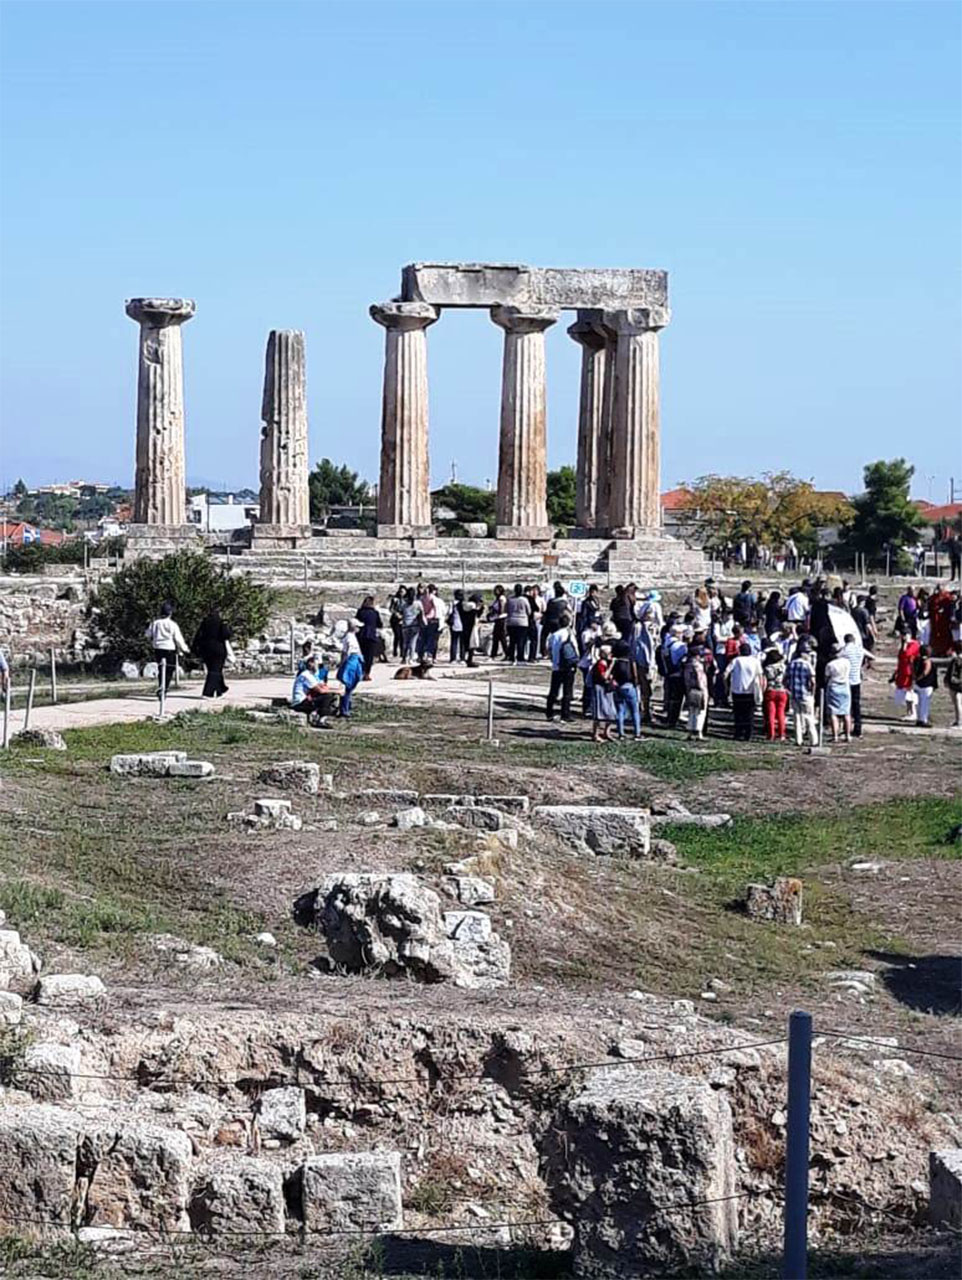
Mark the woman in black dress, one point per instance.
(211, 645)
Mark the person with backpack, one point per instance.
(564, 664)
(625, 679)
(554, 611)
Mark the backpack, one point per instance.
(568, 657)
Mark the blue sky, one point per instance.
(794, 166)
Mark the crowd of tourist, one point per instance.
(770, 660)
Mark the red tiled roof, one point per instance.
(935, 515)
(673, 499)
(14, 535)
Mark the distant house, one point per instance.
(21, 534)
(220, 513)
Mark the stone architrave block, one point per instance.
(47, 739)
(599, 828)
(282, 1113)
(146, 764)
(50, 1071)
(11, 1009)
(140, 1175)
(15, 958)
(237, 1194)
(343, 1191)
(303, 776)
(626, 1151)
(69, 989)
(38, 1163)
(780, 902)
(190, 769)
(387, 796)
(470, 890)
(507, 804)
(468, 926)
(945, 1188)
(475, 817)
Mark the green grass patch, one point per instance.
(669, 761)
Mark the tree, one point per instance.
(761, 512)
(884, 516)
(122, 608)
(332, 486)
(19, 490)
(562, 485)
(469, 504)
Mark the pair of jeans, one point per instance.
(856, 692)
(562, 682)
(743, 710)
(499, 638)
(517, 645)
(626, 699)
(674, 697)
(457, 645)
(805, 720)
(409, 642)
(776, 718)
(428, 639)
(368, 654)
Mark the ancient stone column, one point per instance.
(404, 493)
(521, 506)
(635, 461)
(591, 468)
(160, 496)
(285, 497)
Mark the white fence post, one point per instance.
(30, 691)
(53, 675)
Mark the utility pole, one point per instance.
(454, 471)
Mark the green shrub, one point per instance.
(123, 608)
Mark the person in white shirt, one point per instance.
(744, 676)
(350, 644)
(167, 641)
(796, 607)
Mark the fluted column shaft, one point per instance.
(404, 493)
(635, 463)
(160, 493)
(591, 468)
(285, 494)
(521, 504)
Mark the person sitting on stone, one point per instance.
(310, 693)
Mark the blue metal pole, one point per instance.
(795, 1262)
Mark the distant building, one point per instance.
(214, 513)
(71, 488)
(21, 534)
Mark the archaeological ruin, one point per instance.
(618, 316)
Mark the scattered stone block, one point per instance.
(146, 764)
(265, 939)
(780, 902)
(16, 958)
(282, 1113)
(369, 818)
(663, 850)
(470, 890)
(440, 800)
(47, 739)
(475, 817)
(388, 797)
(599, 828)
(38, 1163)
(69, 989)
(236, 1195)
(50, 1071)
(856, 982)
(130, 671)
(11, 1009)
(189, 954)
(945, 1188)
(630, 1144)
(675, 819)
(343, 1191)
(140, 1175)
(408, 819)
(269, 814)
(394, 923)
(327, 824)
(190, 769)
(507, 804)
(303, 776)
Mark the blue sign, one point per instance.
(577, 590)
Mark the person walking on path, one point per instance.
(800, 683)
(456, 628)
(410, 624)
(554, 611)
(953, 682)
(518, 618)
(534, 622)
(908, 612)
(775, 698)
(838, 694)
(395, 611)
(696, 693)
(563, 653)
(350, 673)
(166, 640)
(855, 653)
(903, 677)
(603, 710)
(497, 616)
(744, 677)
(625, 678)
(212, 646)
(368, 633)
(926, 679)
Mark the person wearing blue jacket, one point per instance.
(350, 673)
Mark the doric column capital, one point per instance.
(160, 312)
(634, 321)
(403, 316)
(587, 330)
(524, 319)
